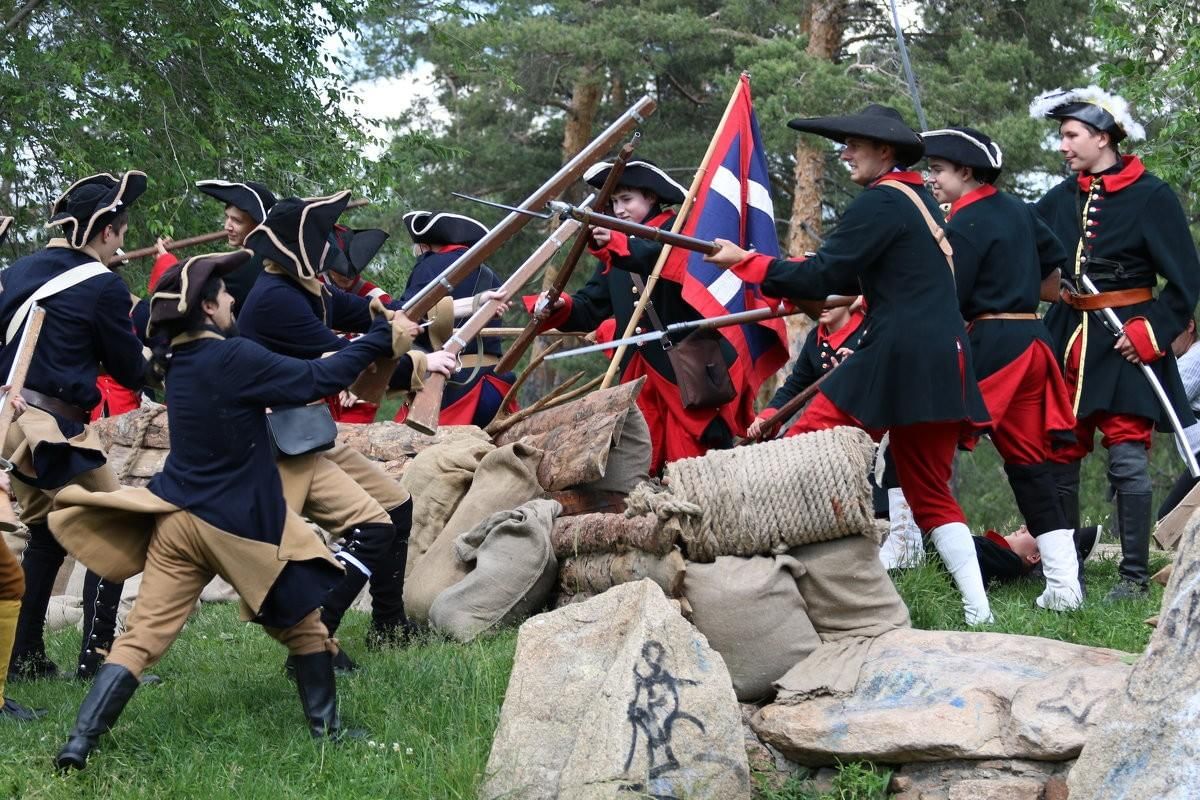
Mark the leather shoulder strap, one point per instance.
(59, 283)
(939, 233)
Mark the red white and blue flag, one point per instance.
(733, 202)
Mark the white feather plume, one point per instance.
(1114, 104)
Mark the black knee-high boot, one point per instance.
(1066, 479)
(389, 624)
(101, 600)
(42, 560)
(318, 695)
(1129, 476)
(364, 552)
(111, 690)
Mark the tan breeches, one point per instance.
(12, 577)
(36, 504)
(368, 474)
(336, 502)
(179, 564)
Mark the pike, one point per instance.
(707, 323)
(595, 219)
(1113, 325)
(771, 425)
(427, 405)
(192, 241)
(371, 385)
(545, 306)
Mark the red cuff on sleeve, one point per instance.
(555, 319)
(1141, 335)
(618, 245)
(161, 265)
(752, 268)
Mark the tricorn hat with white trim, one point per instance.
(178, 290)
(88, 205)
(358, 248)
(434, 227)
(1092, 105)
(641, 174)
(5, 222)
(297, 234)
(967, 147)
(880, 123)
(251, 197)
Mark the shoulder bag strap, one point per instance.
(59, 283)
(939, 233)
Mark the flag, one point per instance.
(733, 201)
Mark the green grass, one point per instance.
(227, 723)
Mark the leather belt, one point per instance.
(1117, 299)
(1006, 315)
(55, 406)
(473, 360)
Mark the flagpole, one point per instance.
(684, 209)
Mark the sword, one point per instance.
(725, 320)
(1113, 325)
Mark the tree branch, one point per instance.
(683, 91)
(22, 12)
(743, 36)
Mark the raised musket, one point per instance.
(372, 384)
(545, 306)
(427, 405)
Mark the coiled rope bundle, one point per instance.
(766, 498)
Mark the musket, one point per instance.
(372, 384)
(771, 426)
(592, 218)
(1114, 326)
(705, 323)
(192, 241)
(427, 405)
(545, 306)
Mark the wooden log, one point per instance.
(575, 437)
(588, 501)
(609, 533)
(593, 573)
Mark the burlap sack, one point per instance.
(506, 478)
(218, 591)
(847, 590)
(593, 573)
(437, 479)
(752, 613)
(629, 457)
(17, 541)
(64, 611)
(513, 573)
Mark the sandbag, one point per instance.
(505, 478)
(437, 479)
(846, 589)
(593, 573)
(609, 533)
(219, 590)
(513, 572)
(629, 457)
(753, 614)
(64, 611)
(762, 499)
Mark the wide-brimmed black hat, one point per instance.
(881, 123)
(5, 222)
(640, 174)
(178, 290)
(297, 234)
(250, 196)
(1092, 105)
(90, 204)
(358, 247)
(966, 147)
(442, 227)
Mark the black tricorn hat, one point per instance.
(881, 123)
(297, 234)
(90, 204)
(178, 290)
(641, 174)
(1092, 105)
(358, 247)
(250, 196)
(966, 147)
(5, 222)
(442, 227)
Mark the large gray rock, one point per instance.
(936, 695)
(618, 696)
(1146, 743)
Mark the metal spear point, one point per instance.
(524, 211)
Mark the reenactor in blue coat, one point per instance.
(1003, 252)
(911, 375)
(86, 329)
(1125, 229)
